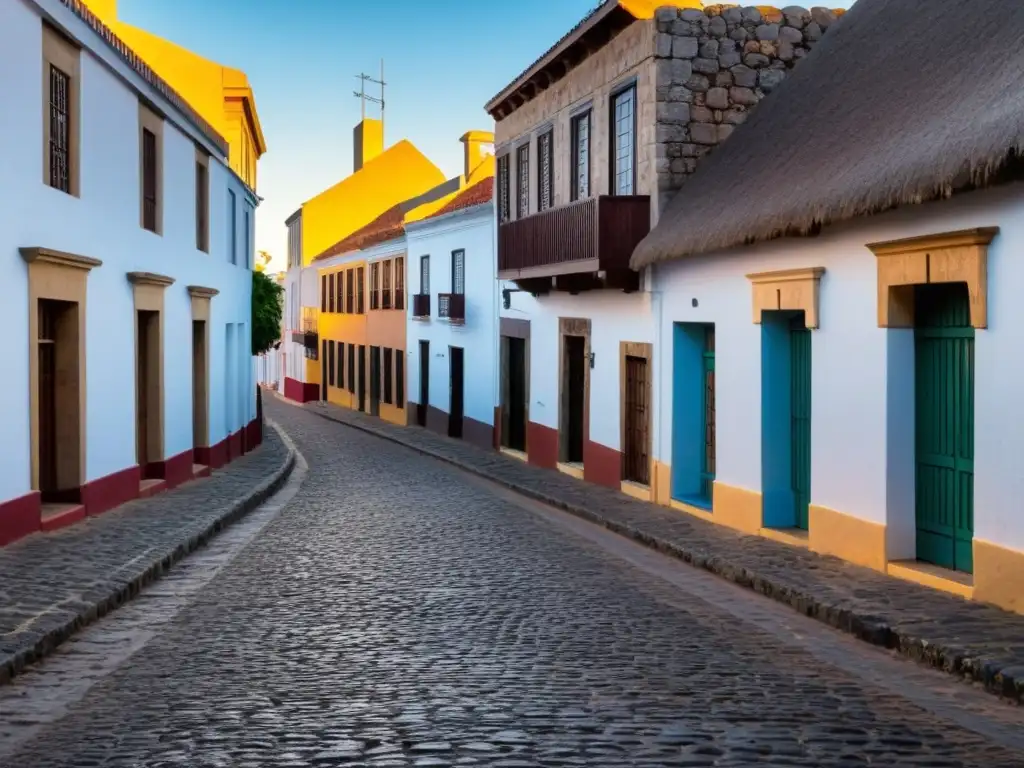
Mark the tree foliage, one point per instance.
(267, 300)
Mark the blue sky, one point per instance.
(302, 57)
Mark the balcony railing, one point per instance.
(421, 305)
(590, 240)
(308, 336)
(452, 306)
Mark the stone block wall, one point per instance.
(712, 67)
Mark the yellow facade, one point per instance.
(220, 94)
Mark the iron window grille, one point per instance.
(60, 130)
(149, 180)
(624, 141)
(504, 189)
(459, 271)
(202, 208)
(523, 167)
(545, 171)
(580, 176)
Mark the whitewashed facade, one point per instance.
(85, 278)
(451, 277)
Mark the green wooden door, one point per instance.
(944, 377)
(800, 410)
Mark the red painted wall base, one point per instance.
(19, 517)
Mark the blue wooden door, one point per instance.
(800, 418)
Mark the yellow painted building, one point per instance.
(222, 95)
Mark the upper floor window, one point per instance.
(349, 292)
(323, 293)
(202, 202)
(424, 275)
(386, 283)
(331, 278)
(400, 282)
(151, 130)
(360, 278)
(60, 102)
(246, 241)
(523, 169)
(580, 171)
(295, 243)
(624, 141)
(504, 187)
(545, 171)
(232, 228)
(459, 271)
(375, 285)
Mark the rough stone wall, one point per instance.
(712, 68)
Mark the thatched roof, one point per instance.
(901, 102)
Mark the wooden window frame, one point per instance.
(323, 293)
(360, 290)
(330, 292)
(330, 362)
(523, 189)
(375, 285)
(400, 282)
(577, 153)
(202, 201)
(504, 196)
(61, 54)
(352, 368)
(349, 292)
(387, 364)
(424, 271)
(387, 298)
(459, 259)
(152, 123)
(232, 227)
(612, 154)
(400, 378)
(546, 152)
(341, 365)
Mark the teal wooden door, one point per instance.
(800, 418)
(944, 431)
(707, 468)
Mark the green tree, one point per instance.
(266, 312)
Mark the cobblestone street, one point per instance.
(398, 611)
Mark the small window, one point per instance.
(400, 282)
(246, 241)
(352, 368)
(323, 293)
(349, 292)
(386, 283)
(149, 180)
(387, 375)
(232, 229)
(459, 271)
(375, 285)
(203, 203)
(624, 142)
(341, 365)
(424, 275)
(60, 94)
(545, 171)
(580, 171)
(330, 292)
(400, 378)
(360, 282)
(330, 363)
(60, 129)
(523, 168)
(504, 185)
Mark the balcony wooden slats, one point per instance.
(452, 306)
(421, 305)
(595, 235)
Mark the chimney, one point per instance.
(478, 146)
(367, 142)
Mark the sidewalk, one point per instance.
(964, 638)
(51, 584)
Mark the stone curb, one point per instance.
(1007, 682)
(109, 597)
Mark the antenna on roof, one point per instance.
(364, 97)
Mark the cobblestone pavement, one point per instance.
(51, 584)
(398, 612)
(967, 639)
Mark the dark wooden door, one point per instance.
(424, 403)
(374, 381)
(323, 372)
(576, 378)
(516, 394)
(455, 397)
(362, 378)
(635, 458)
(142, 390)
(944, 415)
(47, 338)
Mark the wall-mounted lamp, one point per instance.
(506, 296)
(591, 360)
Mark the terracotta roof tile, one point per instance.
(387, 226)
(478, 194)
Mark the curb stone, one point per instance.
(1004, 681)
(17, 654)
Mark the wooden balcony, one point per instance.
(452, 306)
(580, 246)
(421, 305)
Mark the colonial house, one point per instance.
(127, 244)
(592, 141)
(453, 316)
(848, 259)
(380, 179)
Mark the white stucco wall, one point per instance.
(473, 231)
(861, 437)
(103, 223)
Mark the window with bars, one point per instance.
(386, 283)
(624, 141)
(504, 189)
(400, 282)
(349, 292)
(459, 271)
(545, 171)
(424, 275)
(400, 378)
(149, 180)
(580, 172)
(60, 130)
(375, 286)
(387, 375)
(202, 207)
(323, 293)
(330, 292)
(360, 283)
(341, 365)
(523, 169)
(232, 228)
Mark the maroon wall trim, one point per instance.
(541, 445)
(105, 493)
(19, 517)
(602, 465)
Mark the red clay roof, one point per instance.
(387, 226)
(478, 194)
